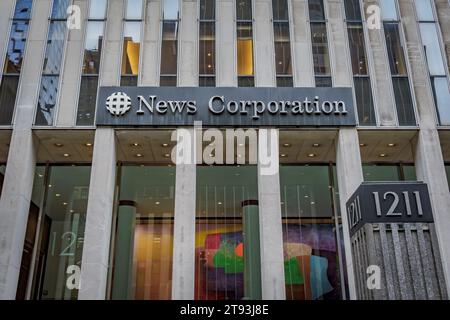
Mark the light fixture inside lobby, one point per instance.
(66, 155)
(167, 155)
(287, 145)
(165, 145)
(383, 155)
(59, 145)
(362, 144)
(139, 155)
(135, 144)
(283, 155)
(316, 145)
(391, 144)
(88, 144)
(311, 155)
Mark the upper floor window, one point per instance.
(207, 44)
(169, 43)
(282, 43)
(244, 27)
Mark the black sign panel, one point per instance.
(247, 107)
(396, 202)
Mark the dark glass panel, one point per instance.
(207, 81)
(364, 101)
(243, 9)
(8, 93)
(394, 49)
(93, 47)
(352, 10)
(246, 81)
(87, 101)
(403, 101)
(282, 48)
(207, 54)
(169, 47)
(316, 10)
(280, 10)
(321, 58)
(285, 82)
(16, 47)
(129, 81)
(168, 81)
(55, 47)
(357, 49)
(47, 101)
(207, 9)
(323, 82)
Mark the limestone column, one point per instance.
(265, 75)
(188, 45)
(226, 66)
(183, 270)
(429, 161)
(97, 235)
(271, 233)
(16, 195)
(6, 12)
(151, 50)
(71, 71)
(443, 17)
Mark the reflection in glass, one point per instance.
(23, 9)
(280, 10)
(403, 101)
(220, 263)
(207, 56)
(246, 81)
(282, 48)
(311, 255)
(87, 100)
(48, 95)
(389, 172)
(171, 10)
(93, 47)
(207, 81)
(59, 10)
(65, 211)
(144, 234)
(352, 10)
(322, 81)
(207, 9)
(285, 81)
(97, 9)
(16, 47)
(131, 48)
(388, 10)
(316, 10)
(357, 49)
(394, 49)
(129, 81)
(364, 101)
(424, 10)
(243, 9)
(134, 9)
(245, 48)
(168, 81)
(169, 48)
(441, 93)
(55, 47)
(321, 59)
(8, 93)
(430, 41)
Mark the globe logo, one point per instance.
(118, 103)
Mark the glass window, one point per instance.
(285, 81)
(424, 10)
(16, 47)
(169, 48)
(134, 10)
(352, 10)
(357, 49)
(311, 256)
(207, 9)
(8, 92)
(55, 47)
(394, 49)
(282, 48)
(441, 93)
(432, 48)
(364, 101)
(48, 96)
(244, 81)
(59, 10)
(226, 206)
(403, 101)
(131, 48)
(207, 81)
(144, 235)
(97, 9)
(243, 9)
(316, 10)
(87, 100)
(23, 9)
(321, 59)
(63, 230)
(323, 81)
(168, 81)
(280, 10)
(207, 52)
(381, 172)
(409, 172)
(171, 10)
(388, 10)
(93, 47)
(245, 48)
(447, 171)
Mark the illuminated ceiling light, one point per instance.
(312, 202)
(139, 155)
(209, 54)
(391, 144)
(287, 145)
(88, 144)
(209, 66)
(165, 144)
(157, 202)
(59, 145)
(283, 155)
(135, 144)
(311, 155)
(383, 155)
(66, 155)
(219, 203)
(316, 145)
(57, 195)
(40, 175)
(306, 196)
(49, 185)
(362, 144)
(64, 203)
(167, 155)
(72, 211)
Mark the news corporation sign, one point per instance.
(236, 107)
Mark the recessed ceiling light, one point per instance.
(49, 185)
(57, 195)
(88, 144)
(165, 144)
(40, 175)
(59, 145)
(283, 155)
(139, 155)
(66, 155)
(362, 144)
(316, 145)
(311, 155)
(391, 144)
(219, 203)
(383, 155)
(64, 203)
(72, 211)
(287, 145)
(306, 196)
(135, 144)
(312, 202)
(167, 155)
(157, 202)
